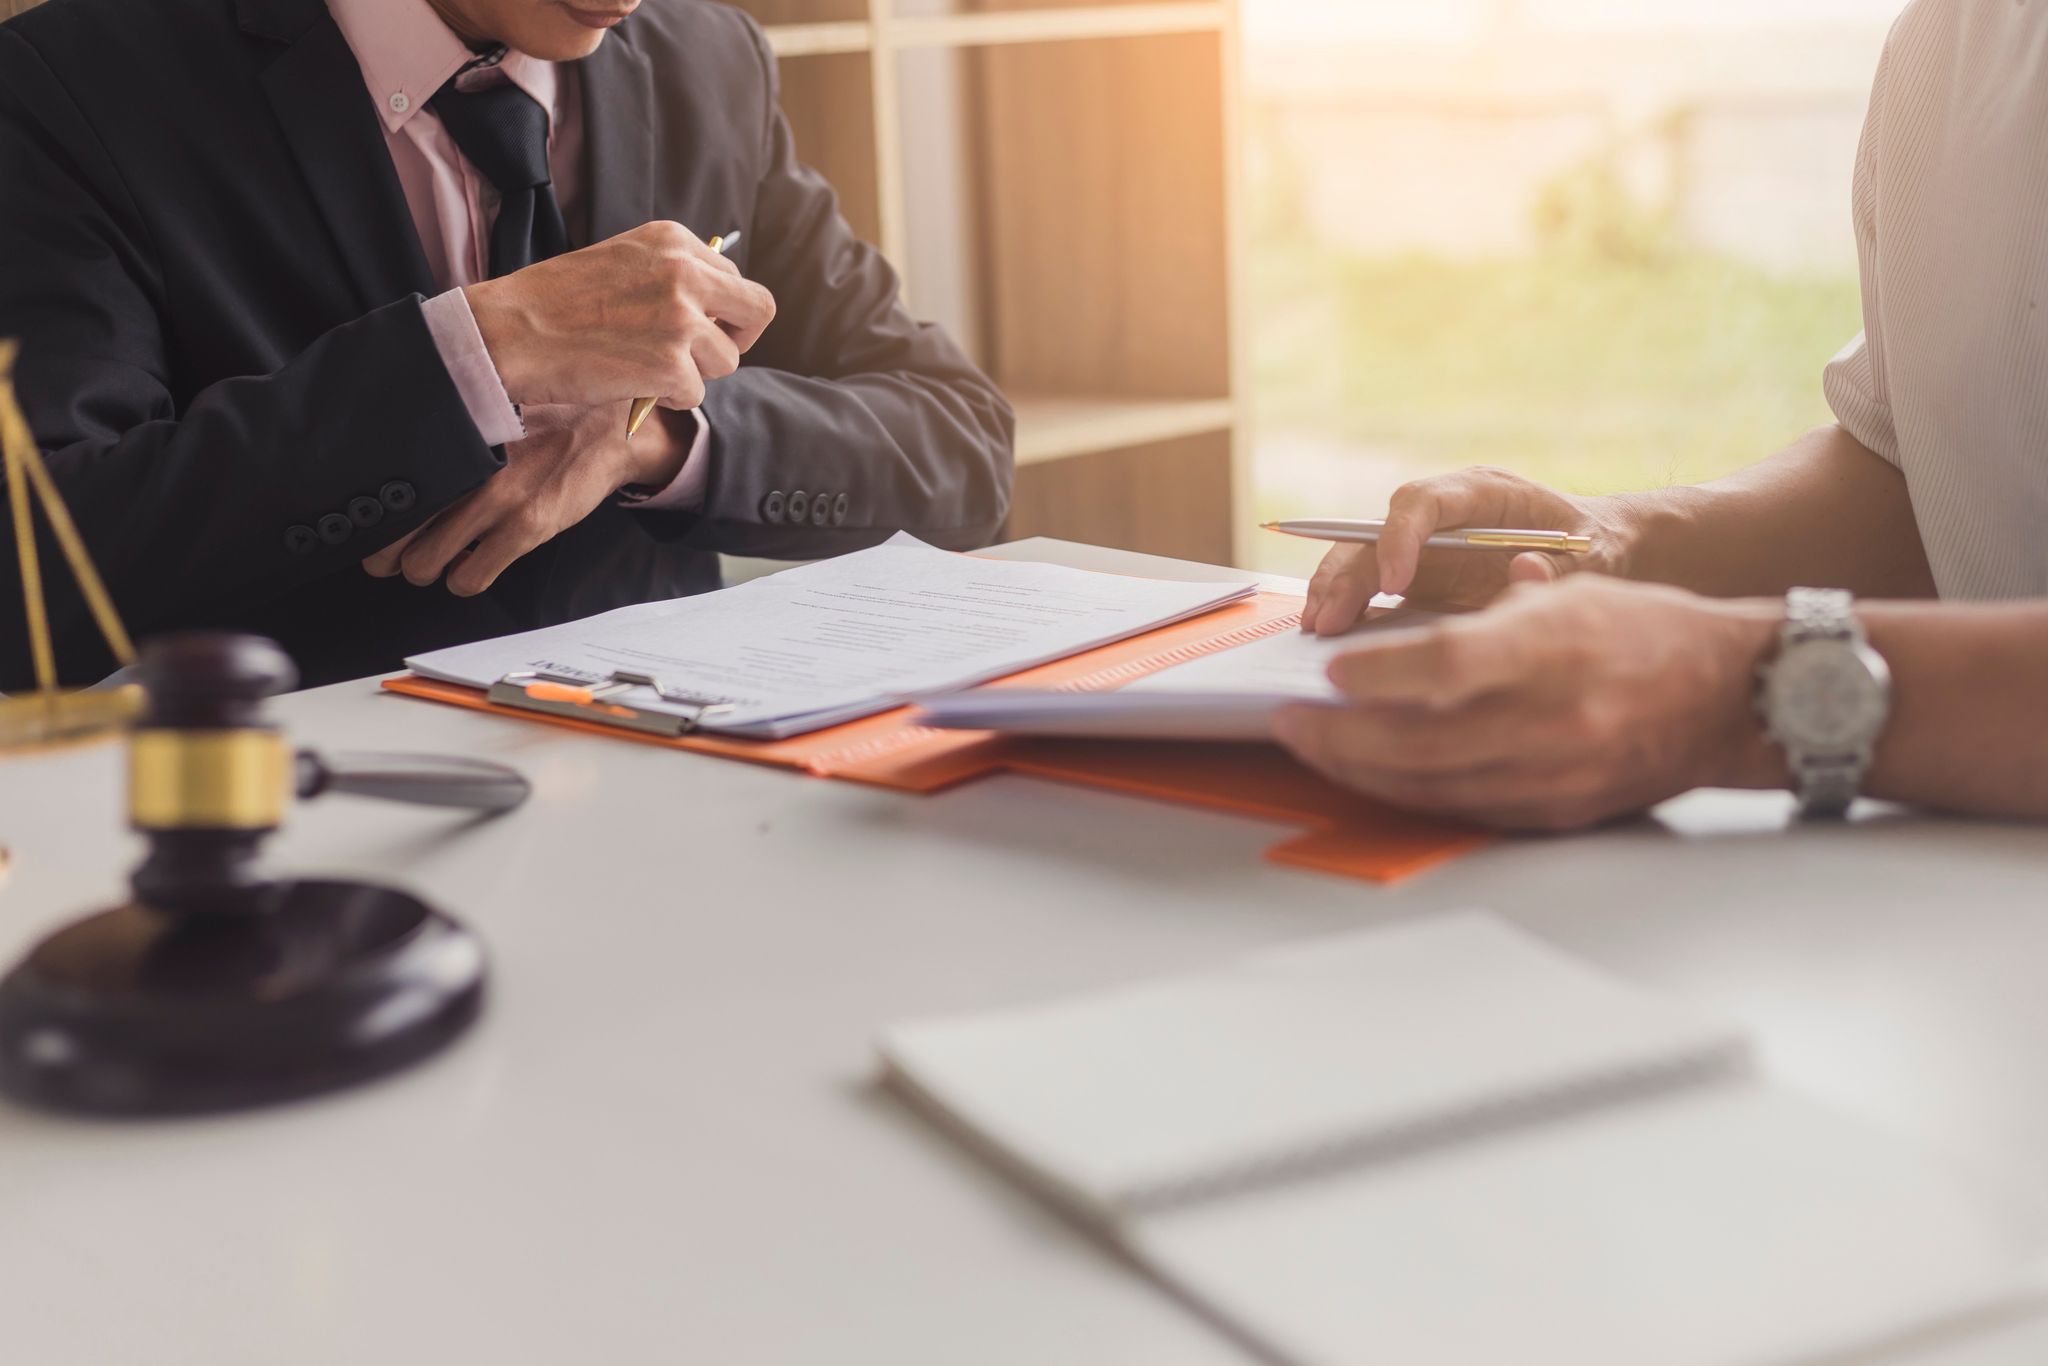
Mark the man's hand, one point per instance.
(572, 460)
(651, 311)
(1562, 705)
(1351, 574)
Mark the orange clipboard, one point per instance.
(1341, 833)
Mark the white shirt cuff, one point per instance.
(469, 363)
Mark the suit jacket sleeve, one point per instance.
(186, 507)
(845, 393)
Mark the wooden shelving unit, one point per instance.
(1058, 184)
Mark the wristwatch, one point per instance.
(1824, 698)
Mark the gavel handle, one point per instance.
(419, 779)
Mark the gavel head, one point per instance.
(208, 778)
(215, 988)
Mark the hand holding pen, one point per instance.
(574, 338)
(1369, 531)
(643, 406)
(650, 311)
(1458, 539)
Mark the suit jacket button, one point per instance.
(365, 512)
(772, 506)
(335, 528)
(398, 496)
(301, 540)
(799, 507)
(840, 507)
(821, 510)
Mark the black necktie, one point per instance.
(504, 133)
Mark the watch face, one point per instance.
(1828, 697)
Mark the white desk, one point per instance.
(661, 1144)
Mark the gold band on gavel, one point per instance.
(207, 779)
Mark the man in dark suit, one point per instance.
(304, 291)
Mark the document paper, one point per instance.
(1230, 695)
(843, 638)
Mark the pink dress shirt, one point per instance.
(407, 54)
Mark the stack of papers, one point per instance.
(1231, 695)
(837, 640)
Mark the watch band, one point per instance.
(1827, 784)
(1820, 614)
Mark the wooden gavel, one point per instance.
(209, 778)
(218, 987)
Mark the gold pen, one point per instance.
(1464, 538)
(643, 406)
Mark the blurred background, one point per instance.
(1605, 243)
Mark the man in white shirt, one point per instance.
(1579, 696)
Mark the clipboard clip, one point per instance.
(576, 697)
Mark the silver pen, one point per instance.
(1462, 538)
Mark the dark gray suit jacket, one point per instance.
(207, 256)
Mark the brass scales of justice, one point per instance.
(216, 986)
(51, 714)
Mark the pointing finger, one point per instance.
(1343, 585)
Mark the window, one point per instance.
(1605, 243)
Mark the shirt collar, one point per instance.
(407, 53)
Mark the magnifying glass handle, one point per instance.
(417, 779)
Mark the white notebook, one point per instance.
(1446, 1144)
(1229, 695)
(836, 640)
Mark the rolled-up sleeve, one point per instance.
(1854, 380)
(1851, 385)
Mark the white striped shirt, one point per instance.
(1949, 378)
